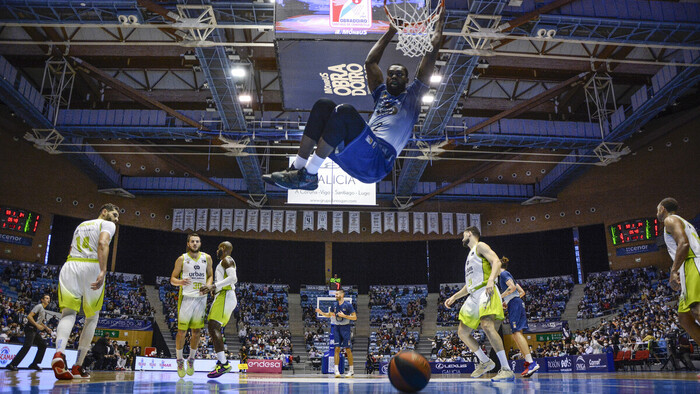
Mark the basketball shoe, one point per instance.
(181, 368)
(530, 368)
(58, 364)
(295, 179)
(219, 370)
(79, 372)
(482, 368)
(504, 375)
(190, 366)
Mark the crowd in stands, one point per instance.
(263, 304)
(125, 296)
(397, 306)
(607, 291)
(446, 346)
(386, 342)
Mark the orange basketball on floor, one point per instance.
(409, 371)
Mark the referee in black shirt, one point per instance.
(36, 322)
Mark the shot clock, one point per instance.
(14, 219)
(634, 231)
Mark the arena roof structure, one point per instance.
(142, 96)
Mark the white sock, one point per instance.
(86, 337)
(299, 162)
(178, 354)
(503, 359)
(337, 371)
(314, 164)
(481, 355)
(65, 326)
(193, 354)
(352, 369)
(528, 358)
(221, 357)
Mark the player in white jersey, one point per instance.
(192, 271)
(224, 291)
(483, 306)
(684, 247)
(82, 280)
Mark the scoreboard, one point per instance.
(634, 231)
(20, 220)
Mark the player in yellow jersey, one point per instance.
(483, 306)
(82, 280)
(224, 291)
(684, 248)
(192, 271)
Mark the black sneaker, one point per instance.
(295, 179)
(34, 366)
(268, 177)
(12, 367)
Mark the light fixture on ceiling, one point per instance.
(238, 71)
(428, 98)
(245, 98)
(435, 78)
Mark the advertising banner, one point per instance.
(545, 327)
(9, 351)
(124, 324)
(264, 366)
(15, 239)
(629, 250)
(331, 70)
(170, 364)
(440, 368)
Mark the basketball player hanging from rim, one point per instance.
(366, 151)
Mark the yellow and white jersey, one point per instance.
(86, 239)
(477, 270)
(693, 240)
(220, 274)
(196, 270)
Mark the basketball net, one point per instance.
(415, 25)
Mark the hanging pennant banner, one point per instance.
(252, 222)
(419, 222)
(308, 222)
(447, 223)
(239, 220)
(433, 225)
(353, 222)
(403, 222)
(265, 219)
(475, 220)
(189, 219)
(337, 221)
(290, 221)
(277, 221)
(389, 221)
(461, 222)
(227, 219)
(214, 219)
(322, 221)
(202, 214)
(178, 219)
(376, 222)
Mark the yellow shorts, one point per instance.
(74, 283)
(690, 284)
(478, 305)
(190, 312)
(223, 306)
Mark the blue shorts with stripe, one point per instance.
(341, 335)
(517, 315)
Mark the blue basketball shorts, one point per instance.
(517, 315)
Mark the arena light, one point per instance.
(435, 78)
(245, 98)
(428, 98)
(238, 71)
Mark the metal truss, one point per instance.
(565, 172)
(600, 100)
(216, 67)
(154, 79)
(84, 12)
(47, 140)
(57, 85)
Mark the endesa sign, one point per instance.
(264, 366)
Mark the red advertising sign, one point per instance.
(265, 366)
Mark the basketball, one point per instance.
(409, 371)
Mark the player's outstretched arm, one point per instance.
(175, 276)
(425, 68)
(374, 73)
